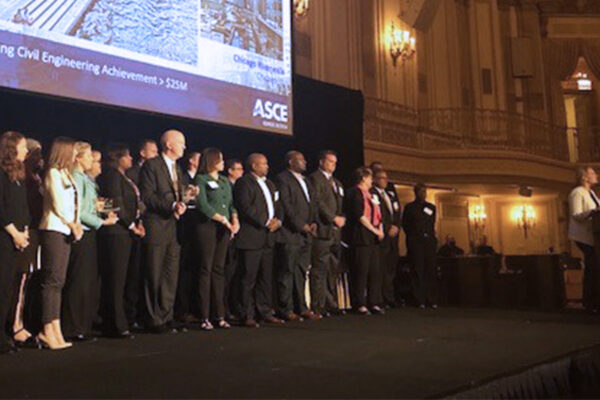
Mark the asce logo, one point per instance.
(271, 111)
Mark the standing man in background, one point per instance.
(295, 237)
(162, 194)
(235, 170)
(418, 222)
(391, 219)
(326, 252)
(147, 151)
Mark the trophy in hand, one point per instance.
(105, 206)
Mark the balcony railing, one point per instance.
(456, 128)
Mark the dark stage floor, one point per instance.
(406, 353)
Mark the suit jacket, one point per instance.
(158, 195)
(133, 173)
(253, 213)
(418, 220)
(355, 233)
(329, 203)
(393, 195)
(61, 202)
(581, 205)
(297, 210)
(114, 185)
(389, 216)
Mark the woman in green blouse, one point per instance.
(217, 223)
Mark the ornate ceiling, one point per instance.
(558, 7)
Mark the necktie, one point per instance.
(175, 181)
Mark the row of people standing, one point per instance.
(237, 232)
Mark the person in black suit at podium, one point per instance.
(418, 223)
(391, 219)
(329, 194)
(257, 203)
(161, 188)
(295, 237)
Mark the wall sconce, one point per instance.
(525, 218)
(402, 45)
(301, 8)
(583, 82)
(478, 217)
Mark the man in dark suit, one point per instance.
(295, 237)
(147, 151)
(187, 291)
(391, 218)
(326, 251)
(235, 170)
(161, 187)
(256, 201)
(418, 223)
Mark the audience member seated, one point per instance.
(484, 249)
(450, 249)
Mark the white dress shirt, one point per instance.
(170, 166)
(300, 179)
(386, 198)
(262, 182)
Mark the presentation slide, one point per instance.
(224, 61)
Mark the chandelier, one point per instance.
(402, 44)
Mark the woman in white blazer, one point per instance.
(583, 203)
(60, 225)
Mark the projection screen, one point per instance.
(224, 61)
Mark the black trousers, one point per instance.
(56, 250)
(422, 257)
(389, 267)
(366, 276)
(232, 281)
(323, 285)
(8, 272)
(591, 292)
(187, 300)
(160, 280)
(134, 285)
(212, 239)
(294, 260)
(256, 282)
(115, 255)
(77, 299)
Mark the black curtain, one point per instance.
(325, 117)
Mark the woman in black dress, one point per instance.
(14, 220)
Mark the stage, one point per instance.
(405, 353)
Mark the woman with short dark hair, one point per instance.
(116, 242)
(14, 217)
(217, 223)
(363, 231)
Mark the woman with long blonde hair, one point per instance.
(60, 226)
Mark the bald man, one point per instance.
(161, 188)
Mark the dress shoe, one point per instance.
(82, 339)
(30, 343)
(250, 323)
(336, 311)
(377, 310)
(136, 327)
(273, 320)
(310, 315)
(434, 306)
(362, 310)
(292, 317)
(222, 324)
(8, 349)
(51, 344)
(422, 306)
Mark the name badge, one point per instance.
(428, 211)
(375, 199)
(276, 195)
(213, 185)
(341, 190)
(396, 206)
